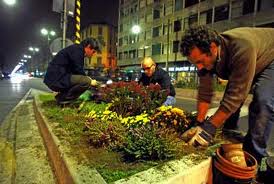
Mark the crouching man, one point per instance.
(65, 73)
(155, 74)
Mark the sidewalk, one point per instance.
(192, 93)
(23, 158)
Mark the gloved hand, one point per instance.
(170, 100)
(94, 82)
(200, 135)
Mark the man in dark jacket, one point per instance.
(244, 57)
(65, 73)
(154, 74)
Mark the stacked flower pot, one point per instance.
(233, 165)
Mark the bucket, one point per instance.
(226, 172)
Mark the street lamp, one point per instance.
(10, 2)
(24, 60)
(27, 56)
(34, 49)
(136, 29)
(47, 33)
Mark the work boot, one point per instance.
(62, 100)
(265, 173)
(75, 91)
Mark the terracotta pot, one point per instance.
(234, 154)
(236, 171)
(228, 147)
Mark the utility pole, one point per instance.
(167, 54)
(64, 25)
(77, 24)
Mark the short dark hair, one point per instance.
(94, 43)
(199, 36)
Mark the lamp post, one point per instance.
(47, 33)
(136, 29)
(33, 64)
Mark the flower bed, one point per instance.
(120, 141)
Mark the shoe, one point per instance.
(232, 135)
(62, 100)
(65, 102)
(265, 172)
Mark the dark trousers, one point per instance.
(80, 84)
(261, 114)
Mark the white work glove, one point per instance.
(200, 135)
(170, 101)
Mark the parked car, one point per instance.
(1, 75)
(98, 75)
(127, 75)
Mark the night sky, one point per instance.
(20, 25)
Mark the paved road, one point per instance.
(12, 91)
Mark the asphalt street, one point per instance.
(13, 90)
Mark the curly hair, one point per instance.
(94, 43)
(201, 37)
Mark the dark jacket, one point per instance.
(245, 52)
(68, 61)
(161, 77)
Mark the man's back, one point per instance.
(69, 60)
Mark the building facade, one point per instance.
(163, 22)
(107, 35)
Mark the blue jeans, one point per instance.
(261, 114)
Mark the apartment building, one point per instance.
(161, 23)
(107, 35)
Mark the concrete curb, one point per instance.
(182, 171)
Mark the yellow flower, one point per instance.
(175, 122)
(177, 111)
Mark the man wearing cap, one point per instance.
(65, 73)
(156, 75)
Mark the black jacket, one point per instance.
(161, 77)
(68, 61)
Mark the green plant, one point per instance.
(169, 117)
(105, 133)
(135, 97)
(151, 143)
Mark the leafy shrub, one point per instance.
(151, 143)
(136, 98)
(136, 121)
(168, 117)
(105, 133)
